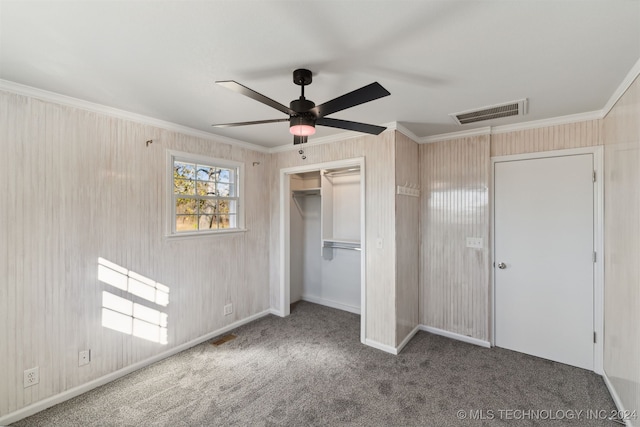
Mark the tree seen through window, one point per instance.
(205, 197)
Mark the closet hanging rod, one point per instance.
(353, 248)
(343, 172)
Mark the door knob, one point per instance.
(502, 266)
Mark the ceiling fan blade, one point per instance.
(237, 87)
(351, 99)
(345, 124)
(258, 122)
(297, 139)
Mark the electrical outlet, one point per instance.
(31, 377)
(228, 309)
(84, 357)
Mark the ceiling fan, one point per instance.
(304, 114)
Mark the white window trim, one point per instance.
(170, 211)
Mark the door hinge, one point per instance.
(594, 337)
(595, 257)
(594, 176)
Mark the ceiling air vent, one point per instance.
(513, 108)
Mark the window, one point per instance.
(205, 195)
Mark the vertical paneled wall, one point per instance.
(571, 135)
(621, 138)
(407, 239)
(77, 186)
(454, 205)
(455, 176)
(379, 180)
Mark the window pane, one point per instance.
(228, 206)
(232, 207)
(223, 206)
(186, 222)
(207, 206)
(223, 190)
(184, 170)
(183, 186)
(228, 221)
(226, 175)
(205, 196)
(207, 222)
(206, 173)
(185, 206)
(206, 188)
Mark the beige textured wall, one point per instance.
(454, 205)
(379, 180)
(571, 135)
(621, 138)
(76, 186)
(407, 240)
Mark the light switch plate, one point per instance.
(474, 242)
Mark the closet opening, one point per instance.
(322, 236)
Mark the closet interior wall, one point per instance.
(325, 211)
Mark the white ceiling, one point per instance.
(161, 58)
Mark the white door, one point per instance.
(544, 272)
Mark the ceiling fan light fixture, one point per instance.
(304, 114)
(302, 130)
(302, 126)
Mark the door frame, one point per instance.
(598, 236)
(285, 228)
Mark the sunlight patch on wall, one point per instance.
(126, 316)
(132, 282)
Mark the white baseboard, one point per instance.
(380, 346)
(390, 349)
(455, 336)
(436, 331)
(615, 397)
(275, 312)
(406, 340)
(330, 303)
(41, 405)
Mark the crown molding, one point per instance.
(626, 83)
(454, 135)
(553, 121)
(406, 132)
(534, 124)
(342, 136)
(45, 95)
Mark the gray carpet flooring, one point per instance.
(310, 369)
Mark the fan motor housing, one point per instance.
(301, 105)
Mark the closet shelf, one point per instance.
(342, 171)
(307, 192)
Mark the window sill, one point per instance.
(201, 234)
